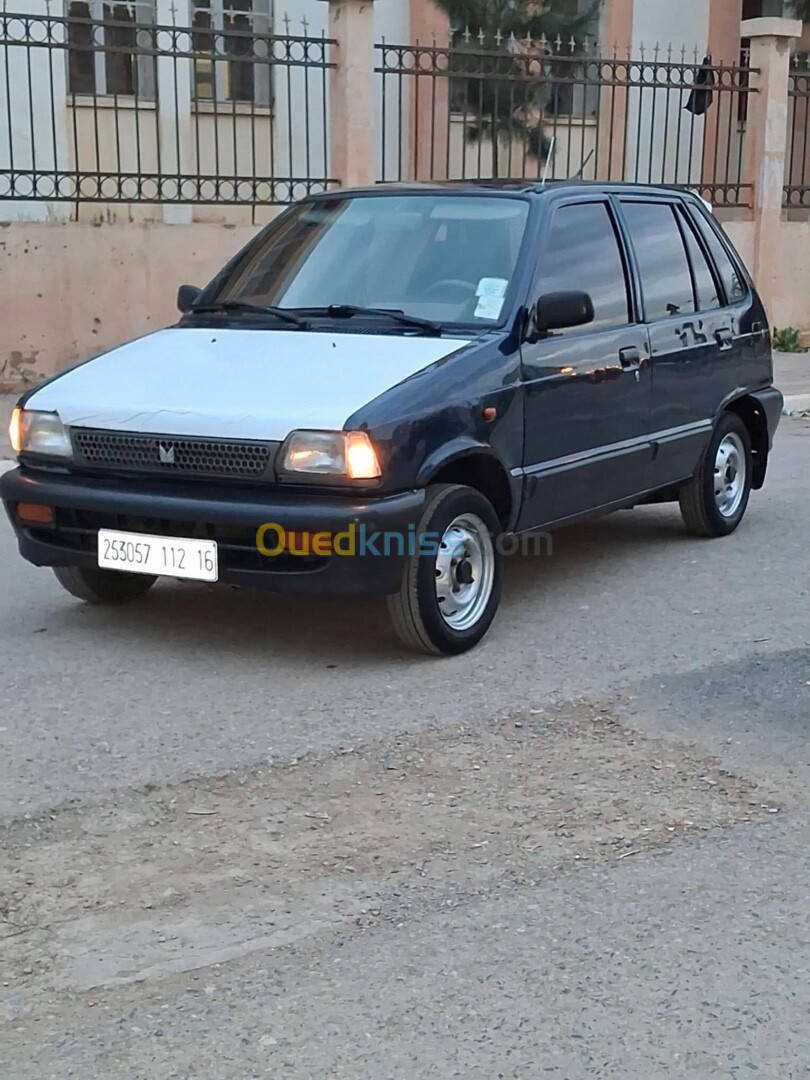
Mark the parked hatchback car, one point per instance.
(386, 381)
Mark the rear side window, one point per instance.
(708, 294)
(582, 254)
(666, 282)
(733, 284)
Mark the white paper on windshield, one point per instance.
(492, 286)
(489, 307)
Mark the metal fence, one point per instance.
(797, 186)
(117, 109)
(523, 108)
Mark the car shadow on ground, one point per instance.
(186, 617)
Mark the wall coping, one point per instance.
(784, 28)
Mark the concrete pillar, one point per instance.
(33, 116)
(351, 98)
(766, 142)
(430, 97)
(616, 36)
(174, 75)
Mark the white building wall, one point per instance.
(32, 143)
(670, 147)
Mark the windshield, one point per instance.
(446, 258)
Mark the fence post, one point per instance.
(766, 141)
(351, 99)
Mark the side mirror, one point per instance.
(187, 297)
(559, 311)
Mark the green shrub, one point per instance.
(787, 339)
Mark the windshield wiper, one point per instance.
(346, 311)
(243, 305)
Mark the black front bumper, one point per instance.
(230, 515)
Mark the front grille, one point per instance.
(168, 455)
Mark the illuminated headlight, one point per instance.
(325, 455)
(33, 432)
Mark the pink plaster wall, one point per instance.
(68, 291)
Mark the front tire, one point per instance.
(96, 586)
(714, 501)
(450, 593)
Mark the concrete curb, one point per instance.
(796, 403)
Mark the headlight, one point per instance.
(330, 454)
(34, 432)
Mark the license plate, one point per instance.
(172, 556)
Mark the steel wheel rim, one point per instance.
(730, 469)
(464, 571)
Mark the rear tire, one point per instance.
(714, 501)
(96, 586)
(449, 594)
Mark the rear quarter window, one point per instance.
(732, 282)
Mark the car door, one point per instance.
(691, 336)
(586, 389)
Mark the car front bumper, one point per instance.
(229, 515)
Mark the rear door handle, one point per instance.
(724, 337)
(630, 359)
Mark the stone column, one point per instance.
(351, 98)
(766, 142)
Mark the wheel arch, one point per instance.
(477, 466)
(753, 415)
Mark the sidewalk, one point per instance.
(791, 376)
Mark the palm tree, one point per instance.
(503, 108)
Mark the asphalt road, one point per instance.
(428, 950)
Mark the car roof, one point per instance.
(509, 187)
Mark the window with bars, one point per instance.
(108, 48)
(111, 49)
(232, 50)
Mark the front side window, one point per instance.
(582, 255)
(447, 258)
(666, 282)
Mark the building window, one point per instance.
(232, 50)
(104, 48)
(111, 49)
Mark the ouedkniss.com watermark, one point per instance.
(273, 539)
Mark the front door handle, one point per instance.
(630, 359)
(724, 337)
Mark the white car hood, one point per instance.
(240, 384)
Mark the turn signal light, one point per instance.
(35, 514)
(361, 459)
(15, 429)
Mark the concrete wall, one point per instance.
(68, 291)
